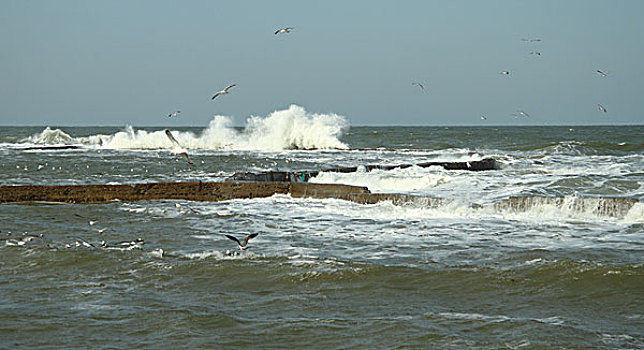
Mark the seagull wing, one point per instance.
(217, 94)
(234, 239)
(228, 87)
(185, 156)
(248, 239)
(172, 139)
(277, 31)
(176, 144)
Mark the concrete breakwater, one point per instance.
(194, 191)
(222, 191)
(600, 206)
(305, 175)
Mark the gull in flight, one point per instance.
(174, 114)
(523, 114)
(243, 245)
(483, 117)
(535, 53)
(601, 73)
(283, 30)
(421, 86)
(505, 72)
(223, 92)
(178, 147)
(601, 108)
(531, 40)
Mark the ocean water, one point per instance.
(472, 272)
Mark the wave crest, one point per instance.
(50, 137)
(294, 128)
(290, 129)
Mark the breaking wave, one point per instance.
(50, 137)
(288, 129)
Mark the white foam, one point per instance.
(292, 128)
(204, 255)
(218, 255)
(412, 179)
(635, 214)
(50, 137)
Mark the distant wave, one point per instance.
(584, 148)
(50, 137)
(288, 129)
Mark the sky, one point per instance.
(117, 63)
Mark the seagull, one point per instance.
(131, 243)
(223, 92)
(135, 243)
(535, 53)
(20, 242)
(531, 40)
(174, 114)
(78, 244)
(421, 86)
(523, 114)
(174, 141)
(283, 30)
(601, 73)
(505, 72)
(483, 117)
(601, 108)
(243, 244)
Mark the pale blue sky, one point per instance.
(116, 62)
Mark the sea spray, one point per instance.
(289, 129)
(294, 128)
(50, 137)
(141, 139)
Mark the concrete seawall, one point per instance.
(306, 175)
(221, 191)
(194, 191)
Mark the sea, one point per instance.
(472, 272)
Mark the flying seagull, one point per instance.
(283, 30)
(523, 114)
(243, 244)
(535, 53)
(601, 73)
(531, 40)
(421, 86)
(174, 141)
(223, 92)
(174, 114)
(483, 117)
(505, 72)
(601, 108)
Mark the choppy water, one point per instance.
(468, 273)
